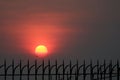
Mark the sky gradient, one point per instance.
(71, 29)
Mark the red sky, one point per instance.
(67, 27)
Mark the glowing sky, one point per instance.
(78, 28)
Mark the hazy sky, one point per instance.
(71, 29)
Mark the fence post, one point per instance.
(43, 70)
(63, 70)
(84, 71)
(118, 70)
(5, 71)
(56, 69)
(110, 71)
(70, 69)
(97, 70)
(77, 71)
(35, 69)
(13, 72)
(104, 69)
(28, 65)
(49, 76)
(20, 70)
(91, 71)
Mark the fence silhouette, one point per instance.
(55, 71)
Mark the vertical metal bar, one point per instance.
(101, 72)
(118, 71)
(20, 70)
(28, 65)
(84, 71)
(97, 70)
(56, 74)
(49, 76)
(35, 69)
(110, 71)
(77, 71)
(5, 71)
(12, 69)
(63, 70)
(91, 71)
(104, 69)
(43, 70)
(75, 76)
(70, 69)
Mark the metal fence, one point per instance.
(55, 71)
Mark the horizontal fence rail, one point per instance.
(55, 71)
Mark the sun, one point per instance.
(41, 50)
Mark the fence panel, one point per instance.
(50, 71)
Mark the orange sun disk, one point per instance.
(41, 50)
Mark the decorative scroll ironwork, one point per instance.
(55, 71)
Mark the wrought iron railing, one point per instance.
(55, 71)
